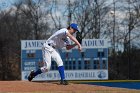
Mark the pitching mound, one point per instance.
(54, 87)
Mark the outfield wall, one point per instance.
(90, 64)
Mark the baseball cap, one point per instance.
(74, 26)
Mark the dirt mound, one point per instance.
(54, 87)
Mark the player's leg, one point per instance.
(58, 60)
(45, 68)
(47, 60)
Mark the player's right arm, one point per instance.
(74, 40)
(70, 46)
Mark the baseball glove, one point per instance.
(79, 37)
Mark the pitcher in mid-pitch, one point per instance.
(58, 40)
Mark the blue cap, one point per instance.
(74, 26)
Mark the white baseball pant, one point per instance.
(50, 53)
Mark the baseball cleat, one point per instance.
(31, 76)
(64, 82)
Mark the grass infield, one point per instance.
(79, 81)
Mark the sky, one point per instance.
(6, 3)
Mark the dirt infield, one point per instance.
(54, 87)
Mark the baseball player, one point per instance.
(58, 40)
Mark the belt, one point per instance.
(51, 46)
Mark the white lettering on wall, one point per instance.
(86, 43)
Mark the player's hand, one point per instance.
(80, 48)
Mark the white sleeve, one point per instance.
(68, 41)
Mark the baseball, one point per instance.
(111, 12)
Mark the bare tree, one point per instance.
(18, 23)
(89, 14)
(35, 16)
(7, 47)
